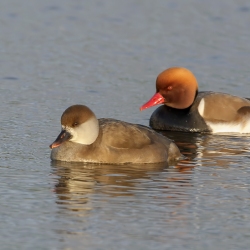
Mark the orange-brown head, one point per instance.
(175, 87)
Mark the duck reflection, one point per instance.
(208, 149)
(111, 179)
(187, 143)
(81, 186)
(78, 185)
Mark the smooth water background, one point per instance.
(107, 54)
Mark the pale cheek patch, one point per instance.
(86, 133)
(73, 133)
(201, 107)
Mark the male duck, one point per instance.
(186, 109)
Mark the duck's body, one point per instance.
(227, 115)
(188, 110)
(117, 142)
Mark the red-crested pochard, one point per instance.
(186, 109)
(84, 138)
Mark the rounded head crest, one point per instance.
(176, 76)
(75, 115)
(178, 86)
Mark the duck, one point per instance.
(84, 138)
(187, 109)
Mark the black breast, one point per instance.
(189, 119)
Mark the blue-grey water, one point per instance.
(107, 54)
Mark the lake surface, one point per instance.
(107, 54)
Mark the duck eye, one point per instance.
(75, 124)
(169, 87)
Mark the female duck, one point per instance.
(84, 138)
(186, 109)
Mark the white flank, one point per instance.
(232, 127)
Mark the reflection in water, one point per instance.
(80, 184)
(72, 188)
(121, 196)
(120, 178)
(106, 199)
(208, 149)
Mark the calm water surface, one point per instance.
(107, 54)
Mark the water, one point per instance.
(107, 55)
